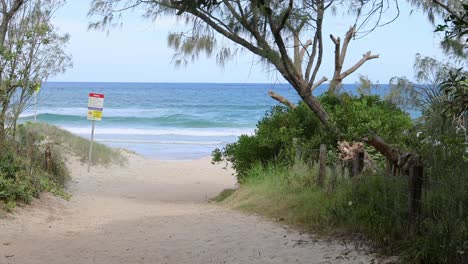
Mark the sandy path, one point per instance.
(154, 212)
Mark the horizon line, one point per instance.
(137, 82)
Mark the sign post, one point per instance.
(35, 107)
(95, 108)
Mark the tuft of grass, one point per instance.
(223, 195)
(78, 146)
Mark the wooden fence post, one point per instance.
(361, 157)
(297, 155)
(322, 165)
(48, 158)
(415, 186)
(355, 168)
(358, 164)
(342, 169)
(332, 184)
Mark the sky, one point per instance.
(138, 51)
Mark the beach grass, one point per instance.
(280, 194)
(223, 195)
(76, 145)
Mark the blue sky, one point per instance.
(138, 52)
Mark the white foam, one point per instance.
(207, 143)
(161, 132)
(75, 111)
(109, 112)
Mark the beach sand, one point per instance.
(151, 211)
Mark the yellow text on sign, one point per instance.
(94, 115)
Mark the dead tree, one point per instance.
(340, 55)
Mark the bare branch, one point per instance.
(366, 57)
(338, 63)
(320, 82)
(340, 56)
(348, 37)
(304, 49)
(282, 100)
(318, 64)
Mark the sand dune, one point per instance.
(155, 212)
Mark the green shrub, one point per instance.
(15, 182)
(23, 175)
(10, 164)
(356, 115)
(273, 138)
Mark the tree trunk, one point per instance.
(317, 108)
(4, 106)
(2, 132)
(401, 161)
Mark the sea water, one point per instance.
(161, 120)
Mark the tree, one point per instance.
(8, 11)
(420, 95)
(286, 34)
(455, 26)
(454, 88)
(33, 51)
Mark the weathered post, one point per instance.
(322, 165)
(343, 169)
(90, 154)
(297, 154)
(389, 169)
(48, 158)
(355, 168)
(332, 185)
(358, 164)
(360, 161)
(415, 186)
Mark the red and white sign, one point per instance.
(96, 101)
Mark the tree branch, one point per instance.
(366, 57)
(288, 66)
(447, 8)
(282, 100)
(320, 13)
(304, 49)
(286, 15)
(324, 79)
(338, 63)
(348, 37)
(402, 161)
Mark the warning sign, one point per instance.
(95, 106)
(94, 115)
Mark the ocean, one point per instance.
(160, 120)
(168, 121)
